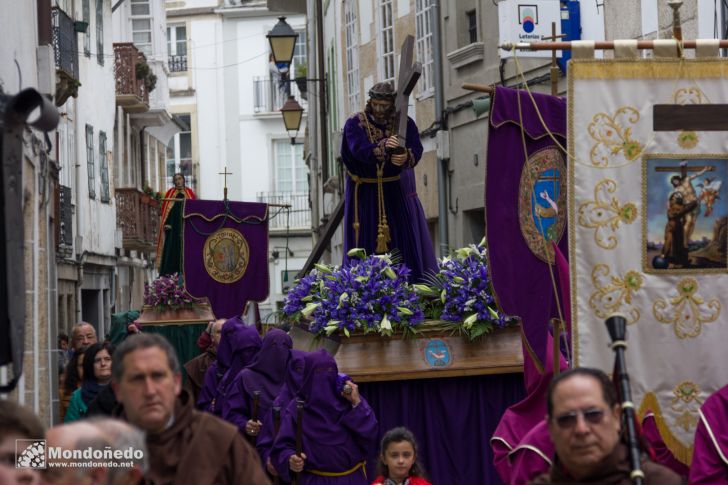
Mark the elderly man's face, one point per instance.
(583, 427)
(83, 337)
(148, 389)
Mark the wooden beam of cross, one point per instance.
(409, 73)
(696, 117)
(710, 168)
(225, 173)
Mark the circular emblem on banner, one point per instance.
(226, 255)
(542, 202)
(437, 353)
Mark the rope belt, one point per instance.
(383, 236)
(320, 473)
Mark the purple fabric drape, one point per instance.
(520, 279)
(452, 419)
(711, 441)
(203, 219)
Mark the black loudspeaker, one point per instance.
(15, 112)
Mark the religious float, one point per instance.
(379, 327)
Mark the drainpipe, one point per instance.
(78, 240)
(442, 161)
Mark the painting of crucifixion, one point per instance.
(686, 214)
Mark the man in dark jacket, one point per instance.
(584, 420)
(185, 446)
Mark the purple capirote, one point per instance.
(239, 343)
(264, 375)
(336, 436)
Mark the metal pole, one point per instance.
(439, 110)
(322, 90)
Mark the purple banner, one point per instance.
(525, 207)
(226, 253)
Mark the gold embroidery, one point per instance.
(605, 214)
(691, 95)
(687, 311)
(614, 294)
(688, 139)
(226, 255)
(674, 444)
(613, 136)
(686, 393)
(542, 201)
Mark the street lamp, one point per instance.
(282, 43)
(292, 114)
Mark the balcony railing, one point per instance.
(131, 92)
(65, 45)
(64, 216)
(137, 215)
(270, 94)
(177, 63)
(300, 212)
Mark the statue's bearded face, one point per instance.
(381, 109)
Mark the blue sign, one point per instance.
(437, 353)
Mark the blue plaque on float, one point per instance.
(437, 353)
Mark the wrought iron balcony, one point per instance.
(131, 91)
(64, 215)
(177, 63)
(137, 215)
(65, 52)
(271, 93)
(300, 211)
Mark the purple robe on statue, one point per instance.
(291, 386)
(336, 437)
(710, 452)
(239, 343)
(362, 150)
(264, 375)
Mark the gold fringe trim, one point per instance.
(681, 452)
(650, 69)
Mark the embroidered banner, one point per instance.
(226, 253)
(648, 225)
(525, 208)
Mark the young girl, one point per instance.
(398, 461)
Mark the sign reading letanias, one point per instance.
(527, 21)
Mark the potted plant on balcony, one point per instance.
(144, 73)
(147, 194)
(301, 81)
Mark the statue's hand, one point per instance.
(399, 160)
(392, 142)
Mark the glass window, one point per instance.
(291, 176)
(472, 26)
(179, 154)
(352, 55)
(90, 165)
(423, 23)
(141, 25)
(86, 7)
(177, 48)
(100, 31)
(386, 40)
(104, 166)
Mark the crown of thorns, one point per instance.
(383, 90)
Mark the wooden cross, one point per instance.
(409, 73)
(225, 173)
(711, 168)
(554, 69)
(696, 117)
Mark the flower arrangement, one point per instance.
(460, 293)
(167, 292)
(371, 294)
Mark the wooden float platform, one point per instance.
(434, 353)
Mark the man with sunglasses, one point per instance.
(584, 421)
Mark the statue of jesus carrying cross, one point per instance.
(380, 148)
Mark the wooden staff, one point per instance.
(276, 428)
(299, 434)
(256, 409)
